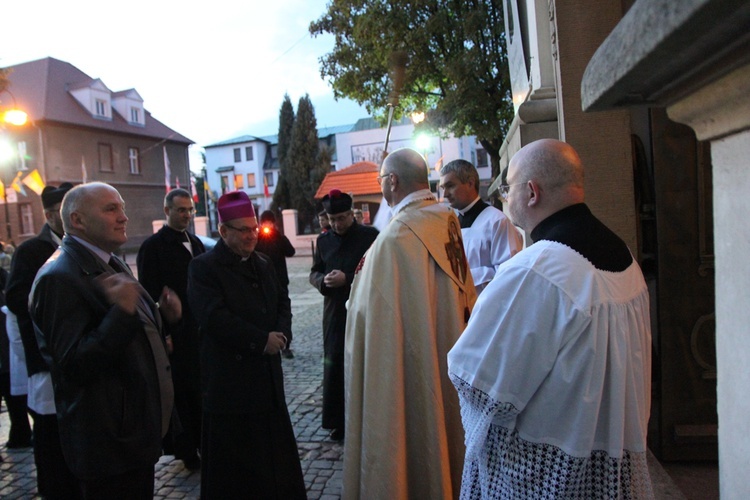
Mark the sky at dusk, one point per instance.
(210, 70)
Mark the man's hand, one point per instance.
(170, 305)
(276, 342)
(120, 290)
(335, 279)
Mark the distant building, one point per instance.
(80, 130)
(244, 162)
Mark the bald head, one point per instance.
(545, 177)
(409, 174)
(95, 212)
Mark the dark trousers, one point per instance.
(136, 484)
(187, 441)
(53, 477)
(20, 428)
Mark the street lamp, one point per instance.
(18, 118)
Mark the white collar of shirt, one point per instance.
(422, 194)
(469, 206)
(94, 249)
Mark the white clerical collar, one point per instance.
(94, 249)
(422, 194)
(468, 207)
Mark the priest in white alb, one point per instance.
(554, 369)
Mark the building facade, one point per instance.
(81, 131)
(246, 162)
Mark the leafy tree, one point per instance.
(457, 65)
(303, 159)
(281, 195)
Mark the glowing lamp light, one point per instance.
(417, 117)
(266, 230)
(423, 142)
(15, 117)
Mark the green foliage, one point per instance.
(457, 67)
(303, 159)
(281, 195)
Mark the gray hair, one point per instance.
(464, 170)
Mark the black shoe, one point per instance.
(15, 444)
(337, 434)
(287, 353)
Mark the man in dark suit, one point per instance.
(101, 334)
(163, 261)
(244, 312)
(54, 479)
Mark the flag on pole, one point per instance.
(17, 186)
(34, 182)
(265, 186)
(167, 170)
(84, 174)
(193, 190)
(177, 182)
(207, 189)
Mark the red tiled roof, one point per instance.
(360, 179)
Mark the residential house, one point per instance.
(79, 130)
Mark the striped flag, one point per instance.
(167, 171)
(193, 190)
(265, 186)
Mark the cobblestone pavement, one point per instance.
(321, 458)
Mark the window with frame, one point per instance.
(224, 184)
(238, 184)
(134, 160)
(249, 153)
(27, 218)
(482, 159)
(237, 155)
(135, 115)
(269, 179)
(251, 180)
(105, 157)
(101, 107)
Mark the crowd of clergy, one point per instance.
(459, 361)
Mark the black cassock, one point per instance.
(334, 251)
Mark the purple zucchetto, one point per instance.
(235, 205)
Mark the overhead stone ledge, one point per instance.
(663, 50)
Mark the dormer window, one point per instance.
(135, 115)
(101, 107)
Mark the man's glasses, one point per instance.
(505, 189)
(244, 230)
(184, 211)
(384, 175)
